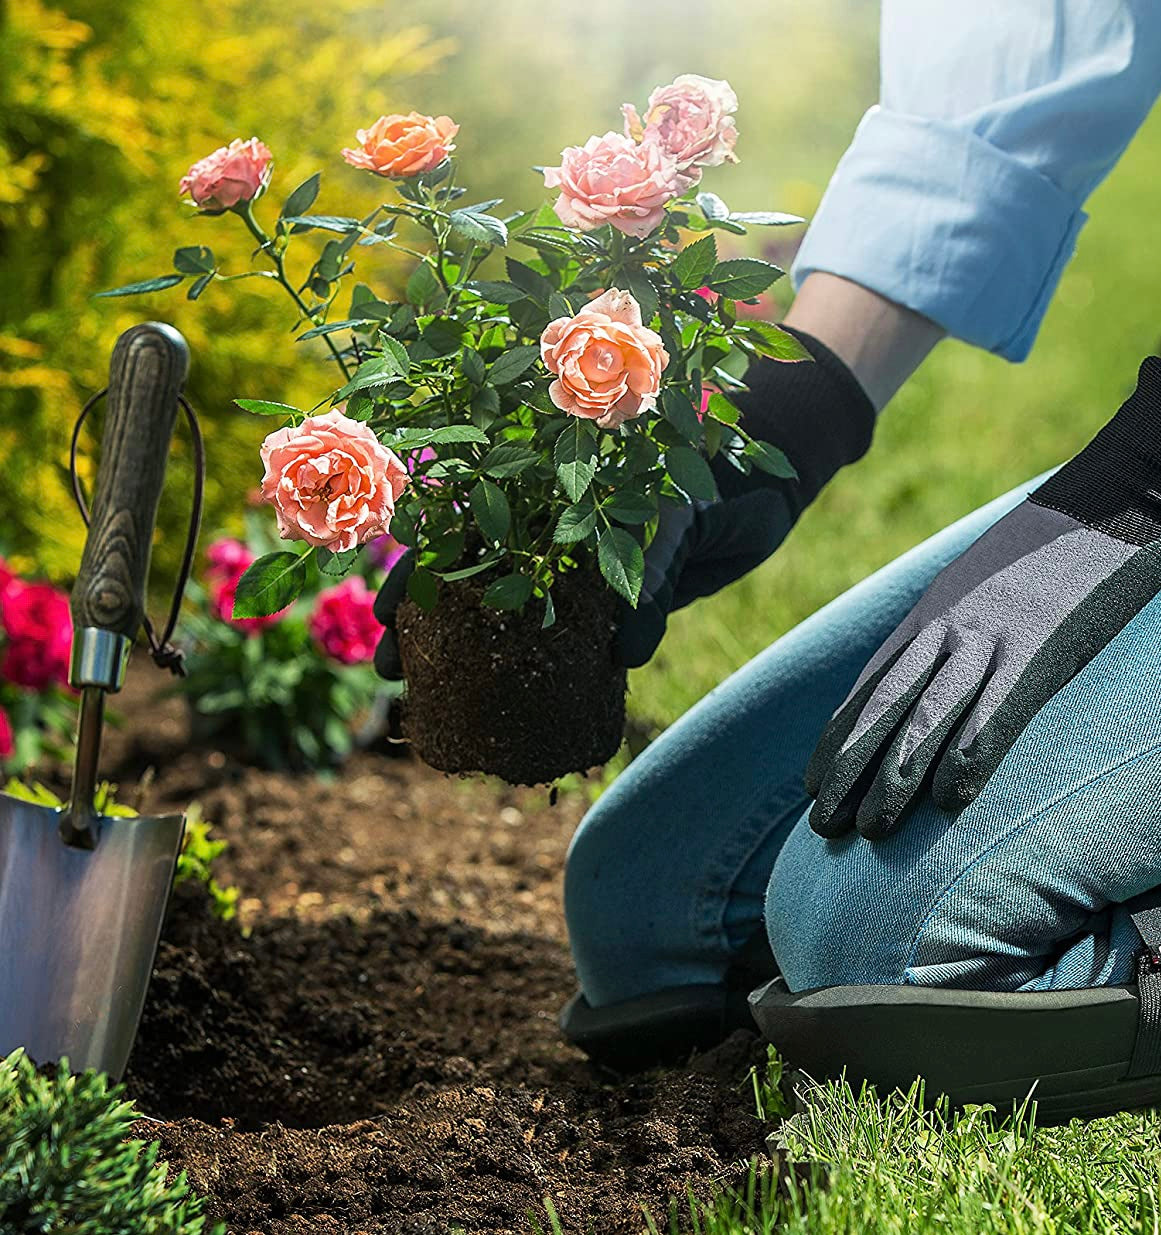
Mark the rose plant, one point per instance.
(283, 689)
(561, 396)
(37, 709)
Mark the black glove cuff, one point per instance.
(815, 412)
(1114, 484)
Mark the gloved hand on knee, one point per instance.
(999, 632)
(815, 412)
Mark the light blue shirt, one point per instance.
(961, 194)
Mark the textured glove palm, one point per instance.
(999, 632)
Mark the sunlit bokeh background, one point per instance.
(105, 103)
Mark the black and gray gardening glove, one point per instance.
(999, 632)
(818, 415)
(390, 596)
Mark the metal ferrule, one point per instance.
(99, 659)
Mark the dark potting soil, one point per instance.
(493, 691)
(378, 1052)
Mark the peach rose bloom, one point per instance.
(692, 120)
(612, 179)
(331, 481)
(400, 146)
(608, 365)
(232, 175)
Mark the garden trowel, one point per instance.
(82, 894)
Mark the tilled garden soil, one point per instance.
(373, 1047)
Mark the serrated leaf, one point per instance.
(681, 414)
(158, 284)
(378, 371)
(622, 563)
(472, 364)
(690, 472)
(558, 306)
(694, 264)
(712, 206)
(398, 353)
(574, 456)
(508, 592)
(508, 367)
(508, 459)
(770, 340)
(446, 435)
(263, 407)
(336, 563)
(444, 551)
(422, 588)
(721, 409)
(742, 277)
(478, 227)
(332, 327)
(769, 459)
(496, 292)
(466, 572)
(765, 218)
(575, 523)
(423, 286)
(324, 222)
(271, 583)
(443, 336)
(630, 508)
(549, 611)
(532, 281)
(194, 259)
(303, 197)
(644, 293)
(490, 510)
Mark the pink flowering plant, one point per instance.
(37, 709)
(285, 689)
(562, 371)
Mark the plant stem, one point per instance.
(267, 246)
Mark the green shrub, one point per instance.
(66, 1165)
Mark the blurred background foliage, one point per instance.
(103, 105)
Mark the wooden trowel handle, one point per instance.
(146, 375)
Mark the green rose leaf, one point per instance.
(199, 285)
(446, 435)
(422, 588)
(490, 510)
(146, 285)
(472, 364)
(302, 198)
(549, 611)
(630, 507)
(644, 293)
(398, 353)
(770, 340)
(331, 327)
(721, 409)
(262, 407)
(575, 523)
(558, 306)
(324, 222)
(695, 262)
(769, 459)
(765, 218)
(712, 206)
(335, 563)
(532, 282)
(508, 367)
(423, 287)
(681, 414)
(509, 592)
(508, 459)
(378, 371)
(496, 292)
(466, 572)
(574, 456)
(690, 472)
(741, 277)
(271, 583)
(478, 227)
(194, 259)
(622, 563)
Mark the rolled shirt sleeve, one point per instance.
(961, 195)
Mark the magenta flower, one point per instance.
(7, 739)
(38, 633)
(344, 624)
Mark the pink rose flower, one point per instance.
(231, 176)
(343, 623)
(608, 365)
(38, 631)
(400, 146)
(7, 738)
(227, 561)
(612, 179)
(692, 121)
(331, 482)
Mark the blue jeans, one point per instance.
(704, 840)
